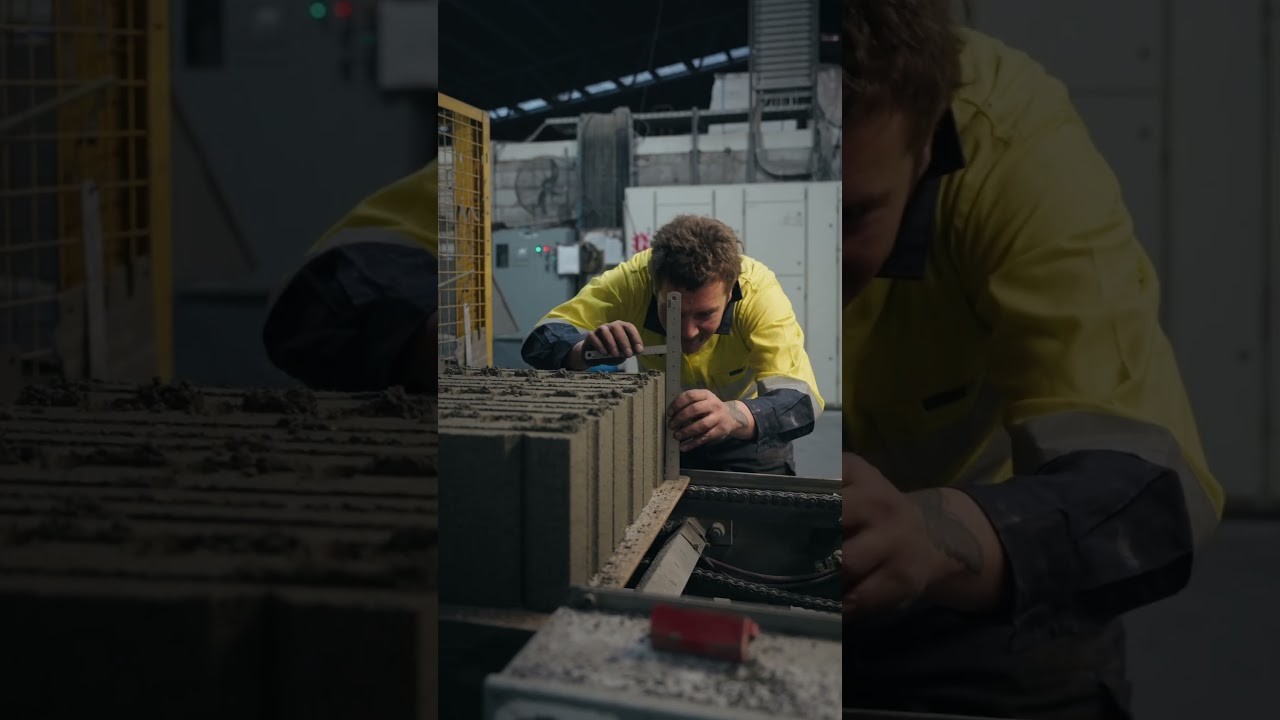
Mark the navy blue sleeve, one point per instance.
(1091, 535)
(781, 416)
(548, 346)
(344, 320)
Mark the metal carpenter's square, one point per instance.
(671, 471)
(606, 357)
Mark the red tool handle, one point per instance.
(722, 636)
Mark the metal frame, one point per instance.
(761, 481)
(673, 565)
(159, 144)
(1271, 255)
(465, 234)
(856, 714)
(695, 121)
(770, 618)
(72, 72)
(508, 698)
(674, 362)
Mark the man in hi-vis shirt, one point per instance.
(361, 313)
(749, 389)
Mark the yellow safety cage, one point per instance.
(85, 280)
(466, 277)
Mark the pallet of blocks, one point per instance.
(168, 550)
(544, 473)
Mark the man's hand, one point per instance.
(898, 548)
(699, 417)
(618, 339)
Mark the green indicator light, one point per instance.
(318, 10)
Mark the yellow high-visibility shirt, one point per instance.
(405, 210)
(1032, 328)
(365, 292)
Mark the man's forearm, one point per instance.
(972, 573)
(745, 429)
(780, 416)
(1091, 535)
(344, 319)
(550, 346)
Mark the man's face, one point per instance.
(880, 171)
(700, 312)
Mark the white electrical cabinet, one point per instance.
(408, 35)
(793, 228)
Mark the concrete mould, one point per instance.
(176, 551)
(542, 473)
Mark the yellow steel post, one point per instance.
(486, 210)
(159, 221)
(466, 324)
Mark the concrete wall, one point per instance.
(528, 191)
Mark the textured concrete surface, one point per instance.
(564, 462)
(785, 676)
(199, 552)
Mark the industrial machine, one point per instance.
(536, 269)
(529, 278)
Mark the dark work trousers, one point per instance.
(733, 455)
(946, 663)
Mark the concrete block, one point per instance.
(602, 489)
(339, 655)
(150, 526)
(95, 647)
(589, 464)
(557, 550)
(639, 451)
(482, 533)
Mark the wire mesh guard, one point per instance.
(76, 199)
(466, 336)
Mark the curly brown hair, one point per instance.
(691, 251)
(900, 55)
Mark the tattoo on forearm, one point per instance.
(736, 413)
(948, 532)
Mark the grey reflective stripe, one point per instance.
(934, 459)
(992, 463)
(770, 384)
(1041, 439)
(558, 321)
(352, 236)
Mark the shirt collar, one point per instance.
(911, 248)
(653, 323)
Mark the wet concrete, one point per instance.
(567, 460)
(209, 552)
(785, 676)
